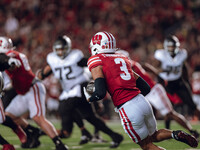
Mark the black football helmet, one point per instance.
(172, 44)
(62, 46)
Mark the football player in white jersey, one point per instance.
(67, 65)
(171, 64)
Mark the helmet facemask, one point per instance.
(172, 44)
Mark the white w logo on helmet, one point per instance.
(5, 44)
(102, 42)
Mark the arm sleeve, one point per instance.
(143, 86)
(83, 62)
(100, 90)
(4, 62)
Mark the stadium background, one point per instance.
(138, 26)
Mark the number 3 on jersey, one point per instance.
(126, 75)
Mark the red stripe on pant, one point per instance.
(130, 125)
(37, 99)
(126, 127)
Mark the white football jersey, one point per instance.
(173, 65)
(67, 70)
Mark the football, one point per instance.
(90, 88)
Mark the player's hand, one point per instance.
(87, 95)
(14, 62)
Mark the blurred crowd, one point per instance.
(139, 26)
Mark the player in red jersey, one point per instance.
(7, 121)
(112, 72)
(158, 97)
(31, 92)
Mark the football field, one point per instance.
(73, 141)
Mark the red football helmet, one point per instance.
(5, 44)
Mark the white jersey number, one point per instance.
(126, 75)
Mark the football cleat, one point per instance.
(98, 139)
(8, 147)
(63, 134)
(32, 139)
(117, 139)
(61, 147)
(31, 143)
(86, 137)
(21, 134)
(185, 138)
(84, 140)
(195, 134)
(41, 133)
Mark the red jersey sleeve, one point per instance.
(22, 76)
(93, 62)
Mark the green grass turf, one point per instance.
(73, 141)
